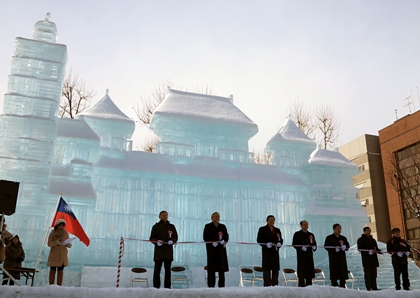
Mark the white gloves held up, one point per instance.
(222, 242)
(400, 254)
(170, 242)
(337, 249)
(370, 252)
(343, 247)
(269, 244)
(304, 248)
(159, 243)
(407, 253)
(313, 248)
(215, 244)
(278, 244)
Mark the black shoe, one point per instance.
(376, 289)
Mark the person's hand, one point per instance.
(371, 252)
(400, 254)
(222, 242)
(337, 249)
(215, 244)
(343, 247)
(68, 245)
(407, 253)
(269, 244)
(159, 243)
(58, 242)
(313, 248)
(278, 244)
(170, 242)
(304, 248)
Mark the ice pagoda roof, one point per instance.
(105, 108)
(290, 132)
(202, 106)
(329, 158)
(75, 128)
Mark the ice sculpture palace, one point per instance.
(202, 164)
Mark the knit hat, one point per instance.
(13, 236)
(59, 221)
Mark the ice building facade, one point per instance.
(202, 164)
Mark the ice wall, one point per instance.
(28, 127)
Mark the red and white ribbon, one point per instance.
(119, 261)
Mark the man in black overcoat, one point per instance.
(305, 244)
(269, 237)
(369, 250)
(163, 236)
(216, 236)
(337, 245)
(400, 250)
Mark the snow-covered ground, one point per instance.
(231, 292)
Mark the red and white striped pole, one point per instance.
(119, 261)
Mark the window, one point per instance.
(361, 168)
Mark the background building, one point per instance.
(400, 147)
(365, 152)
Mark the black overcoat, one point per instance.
(394, 245)
(305, 259)
(160, 231)
(338, 261)
(270, 256)
(216, 256)
(367, 243)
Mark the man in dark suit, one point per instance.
(337, 245)
(400, 250)
(216, 236)
(369, 250)
(163, 236)
(269, 237)
(305, 244)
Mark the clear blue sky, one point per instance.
(359, 57)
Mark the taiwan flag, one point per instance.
(72, 224)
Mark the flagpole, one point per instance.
(46, 234)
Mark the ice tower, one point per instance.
(28, 125)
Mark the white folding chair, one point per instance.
(289, 275)
(351, 280)
(246, 275)
(319, 277)
(258, 275)
(139, 275)
(179, 273)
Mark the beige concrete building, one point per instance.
(365, 152)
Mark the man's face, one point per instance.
(305, 225)
(270, 221)
(163, 216)
(337, 230)
(367, 232)
(397, 234)
(215, 218)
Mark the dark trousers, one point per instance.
(156, 273)
(401, 269)
(370, 277)
(305, 281)
(334, 283)
(271, 278)
(211, 279)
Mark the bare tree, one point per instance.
(405, 178)
(262, 158)
(75, 96)
(150, 143)
(302, 118)
(327, 126)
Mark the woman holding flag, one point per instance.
(58, 259)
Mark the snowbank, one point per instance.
(284, 292)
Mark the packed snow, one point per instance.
(233, 292)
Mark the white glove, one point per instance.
(222, 242)
(170, 242)
(343, 247)
(215, 244)
(313, 247)
(269, 245)
(407, 253)
(400, 254)
(337, 249)
(278, 244)
(159, 243)
(59, 242)
(304, 248)
(370, 252)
